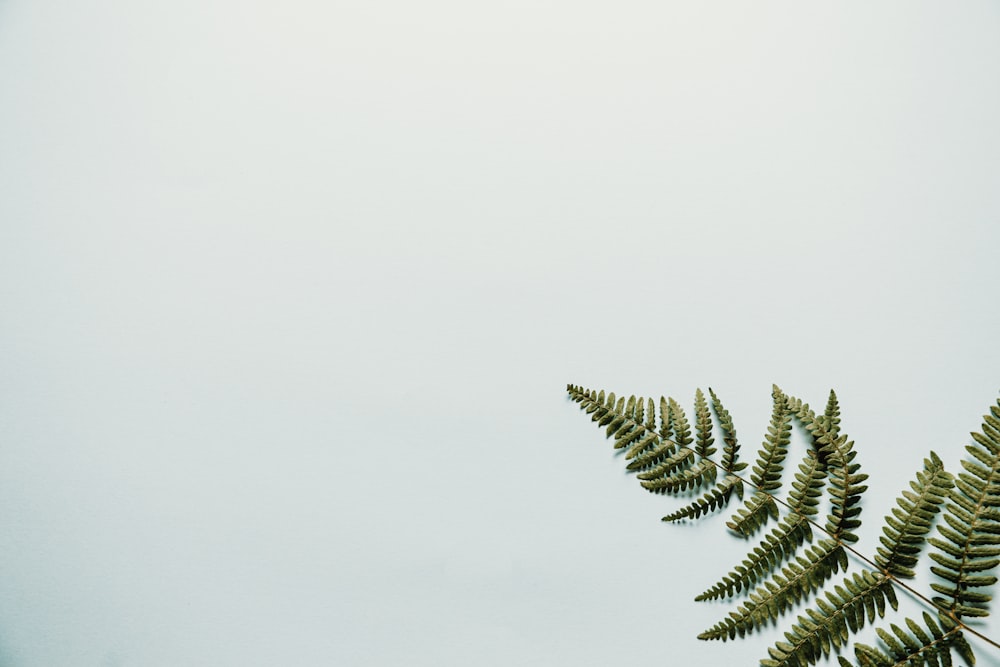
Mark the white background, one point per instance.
(290, 294)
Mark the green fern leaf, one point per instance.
(665, 460)
(776, 547)
(930, 644)
(713, 500)
(782, 542)
(703, 426)
(807, 487)
(646, 456)
(730, 452)
(972, 533)
(782, 591)
(845, 481)
(766, 471)
(680, 459)
(844, 611)
(671, 457)
(905, 528)
(716, 498)
(755, 512)
(831, 416)
(690, 478)
(645, 450)
(679, 424)
(829, 625)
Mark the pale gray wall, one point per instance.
(290, 293)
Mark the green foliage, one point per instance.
(795, 561)
(972, 533)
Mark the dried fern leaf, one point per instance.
(782, 542)
(930, 644)
(655, 446)
(972, 534)
(700, 473)
(797, 580)
(758, 508)
(777, 546)
(703, 426)
(679, 425)
(629, 422)
(682, 458)
(845, 479)
(766, 472)
(713, 500)
(669, 458)
(665, 460)
(651, 454)
(905, 529)
(665, 426)
(731, 450)
(837, 614)
(831, 416)
(644, 450)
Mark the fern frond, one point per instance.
(716, 498)
(613, 413)
(645, 450)
(700, 473)
(731, 450)
(758, 508)
(830, 623)
(703, 426)
(782, 542)
(838, 452)
(594, 403)
(845, 491)
(802, 412)
(655, 446)
(679, 425)
(669, 469)
(776, 547)
(628, 426)
(808, 485)
(630, 423)
(651, 456)
(930, 644)
(766, 472)
(782, 591)
(905, 529)
(713, 500)
(664, 459)
(669, 456)
(681, 458)
(664, 417)
(972, 534)
(831, 416)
